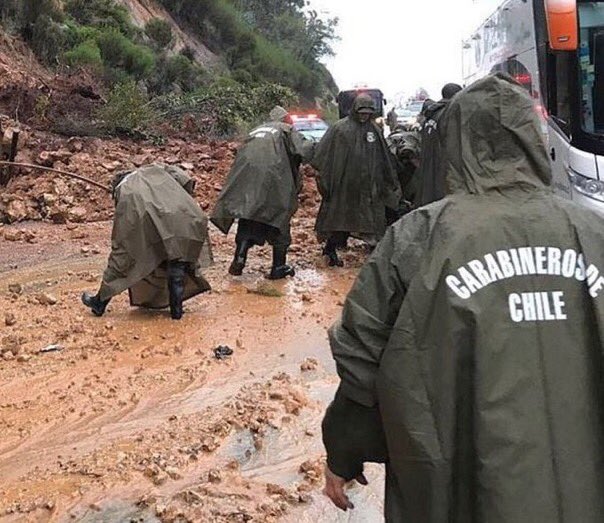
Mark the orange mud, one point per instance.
(133, 419)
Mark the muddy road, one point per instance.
(131, 417)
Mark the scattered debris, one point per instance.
(214, 476)
(46, 298)
(309, 364)
(15, 288)
(222, 352)
(312, 470)
(51, 348)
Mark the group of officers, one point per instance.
(471, 347)
(366, 183)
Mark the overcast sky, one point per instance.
(401, 45)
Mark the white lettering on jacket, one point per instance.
(261, 132)
(478, 274)
(537, 306)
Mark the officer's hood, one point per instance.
(433, 108)
(180, 176)
(492, 139)
(278, 114)
(362, 103)
(185, 181)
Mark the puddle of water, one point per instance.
(276, 346)
(284, 450)
(112, 512)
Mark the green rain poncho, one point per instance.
(357, 179)
(474, 338)
(156, 221)
(431, 172)
(264, 182)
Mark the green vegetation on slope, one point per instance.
(148, 80)
(271, 40)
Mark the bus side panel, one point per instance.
(509, 32)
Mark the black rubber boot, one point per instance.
(280, 269)
(236, 268)
(95, 304)
(332, 255)
(176, 288)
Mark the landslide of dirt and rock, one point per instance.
(35, 195)
(55, 111)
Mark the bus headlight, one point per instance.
(587, 186)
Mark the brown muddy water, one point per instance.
(132, 418)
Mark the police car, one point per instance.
(309, 125)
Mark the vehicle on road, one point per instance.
(310, 126)
(555, 49)
(407, 116)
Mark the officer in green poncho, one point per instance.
(159, 242)
(405, 149)
(261, 192)
(471, 347)
(430, 174)
(357, 181)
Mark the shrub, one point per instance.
(182, 71)
(225, 107)
(77, 34)
(86, 54)
(120, 52)
(100, 13)
(42, 106)
(127, 110)
(48, 40)
(160, 31)
(32, 10)
(268, 95)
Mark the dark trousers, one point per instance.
(337, 240)
(257, 233)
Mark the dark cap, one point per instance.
(364, 104)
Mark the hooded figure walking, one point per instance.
(357, 181)
(261, 192)
(158, 244)
(471, 347)
(431, 173)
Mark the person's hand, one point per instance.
(334, 489)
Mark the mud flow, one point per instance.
(131, 417)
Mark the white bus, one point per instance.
(555, 48)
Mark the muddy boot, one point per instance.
(97, 305)
(236, 268)
(280, 269)
(176, 288)
(332, 255)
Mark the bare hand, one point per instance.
(334, 489)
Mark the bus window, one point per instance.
(517, 71)
(591, 65)
(521, 74)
